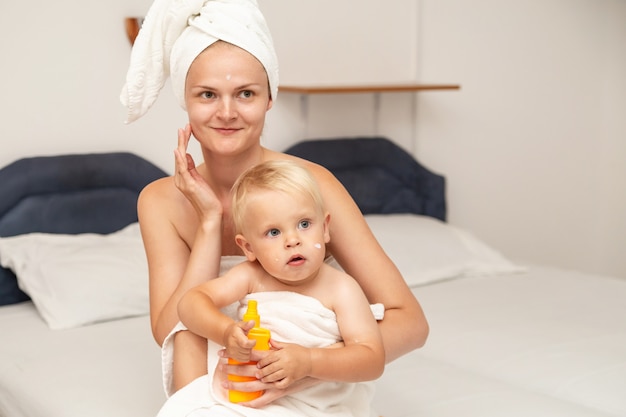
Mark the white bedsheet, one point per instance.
(543, 343)
(547, 342)
(110, 369)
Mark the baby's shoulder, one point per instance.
(333, 276)
(247, 269)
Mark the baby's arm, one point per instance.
(362, 357)
(199, 310)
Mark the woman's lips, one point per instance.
(226, 130)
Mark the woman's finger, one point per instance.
(246, 386)
(268, 396)
(241, 370)
(184, 135)
(181, 151)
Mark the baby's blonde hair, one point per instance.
(279, 175)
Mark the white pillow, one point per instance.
(427, 250)
(75, 280)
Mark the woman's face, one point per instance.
(227, 96)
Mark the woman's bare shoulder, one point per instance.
(163, 193)
(162, 201)
(158, 188)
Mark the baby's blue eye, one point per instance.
(273, 232)
(304, 224)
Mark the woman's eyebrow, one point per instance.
(248, 85)
(240, 87)
(202, 86)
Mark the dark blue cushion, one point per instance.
(381, 177)
(69, 194)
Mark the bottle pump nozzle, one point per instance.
(252, 313)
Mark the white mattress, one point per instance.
(543, 343)
(108, 369)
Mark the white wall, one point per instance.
(533, 146)
(348, 46)
(63, 65)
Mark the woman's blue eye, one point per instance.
(273, 232)
(207, 94)
(304, 224)
(246, 94)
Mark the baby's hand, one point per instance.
(236, 343)
(287, 364)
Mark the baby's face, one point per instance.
(286, 233)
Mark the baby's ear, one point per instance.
(327, 228)
(245, 247)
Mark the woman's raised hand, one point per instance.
(190, 182)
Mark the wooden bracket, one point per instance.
(132, 24)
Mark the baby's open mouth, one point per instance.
(296, 259)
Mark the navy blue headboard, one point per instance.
(380, 176)
(69, 194)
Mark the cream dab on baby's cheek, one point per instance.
(227, 77)
(318, 245)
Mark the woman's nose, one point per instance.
(227, 109)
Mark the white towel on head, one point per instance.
(174, 32)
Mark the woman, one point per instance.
(186, 219)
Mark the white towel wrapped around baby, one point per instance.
(292, 318)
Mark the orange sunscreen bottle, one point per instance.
(262, 337)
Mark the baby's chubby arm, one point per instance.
(199, 310)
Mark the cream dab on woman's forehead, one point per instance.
(229, 62)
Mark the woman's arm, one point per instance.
(177, 214)
(170, 225)
(352, 243)
(169, 260)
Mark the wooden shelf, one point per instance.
(305, 92)
(343, 89)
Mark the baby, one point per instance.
(282, 228)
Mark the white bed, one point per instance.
(498, 347)
(106, 369)
(505, 340)
(545, 342)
